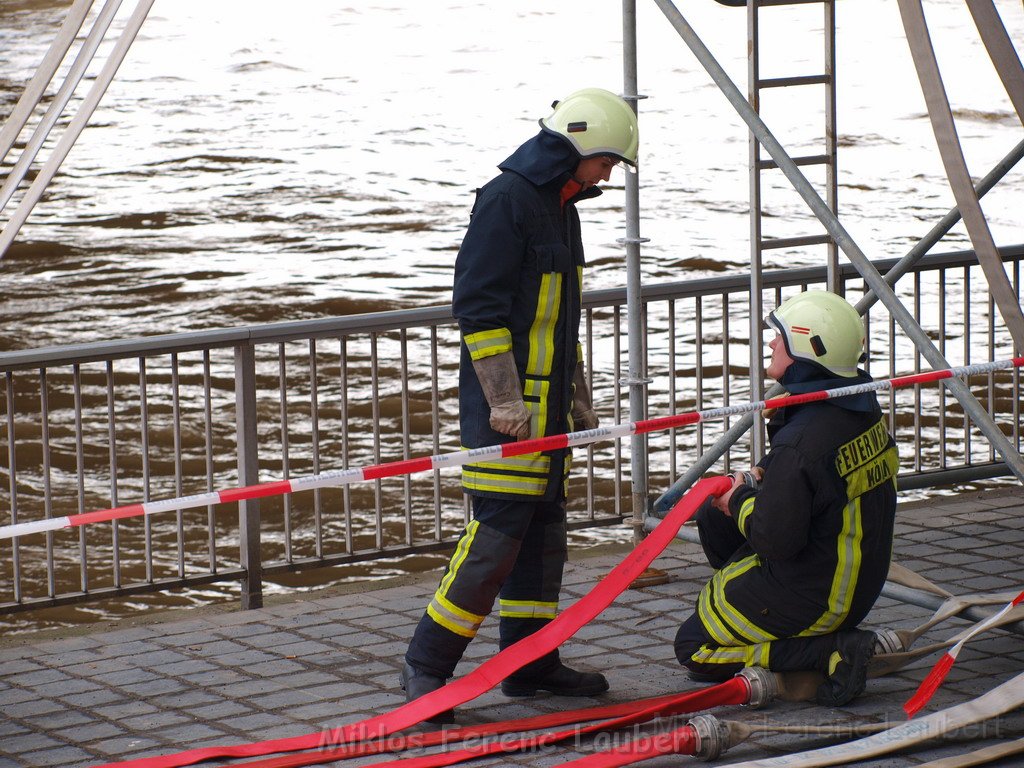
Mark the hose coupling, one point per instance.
(763, 685)
(712, 736)
(888, 641)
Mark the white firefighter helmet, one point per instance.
(823, 328)
(596, 122)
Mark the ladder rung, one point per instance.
(785, 82)
(794, 242)
(806, 160)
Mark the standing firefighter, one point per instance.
(801, 545)
(517, 295)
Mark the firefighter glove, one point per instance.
(499, 380)
(583, 415)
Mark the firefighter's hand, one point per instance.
(721, 503)
(583, 414)
(585, 419)
(511, 418)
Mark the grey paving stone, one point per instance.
(30, 707)
(219, 709)
(333, 658)
(133, 744)
(66, 658)
(53, 721)
(39, 676)
(83, 734)
(125, 709)
(192, 733)
(16, 695)
(130, 676)
(292, 622)
(183, 667)
(242, 658)
(277, 668)
(153, 721)
(155, 687)
(8, 728)
(66, 687)
(21, 743)
(216, 676)
(122, 650)
(64, 756)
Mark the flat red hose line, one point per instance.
(399, 742)
(489, 673)
(682, 741)
(734, 691)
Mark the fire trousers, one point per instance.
(512, 550)
(697, 650)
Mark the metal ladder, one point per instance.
(758, 243)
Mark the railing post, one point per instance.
(248, 474)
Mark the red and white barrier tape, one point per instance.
(489, 453)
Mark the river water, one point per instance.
(260, 161)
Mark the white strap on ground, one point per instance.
(978, 757)
(902, 575)
(886, 663)
(998, 701)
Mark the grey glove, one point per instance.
(500, 382)
(583, 415)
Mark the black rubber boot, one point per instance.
(847, 671)
(559, 680)
(416, 683)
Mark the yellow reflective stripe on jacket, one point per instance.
(473, 480)
(726, 624)
(526, 474)
(486, 343)
(535, 397)
(743, 518)
(542, 331)
(749, 655)
(453, 618)
(527, 609)
(534, 463)
(844, 580)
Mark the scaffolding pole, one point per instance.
(637, 378)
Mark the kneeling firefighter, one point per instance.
(517, 295)
(801, 544)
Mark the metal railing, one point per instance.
(101, 425)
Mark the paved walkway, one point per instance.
(180, 680)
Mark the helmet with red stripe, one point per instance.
(822, 328)
(596, 122)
